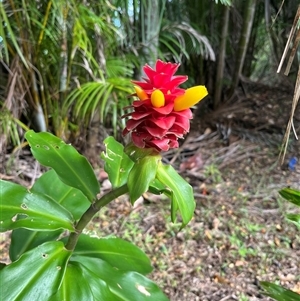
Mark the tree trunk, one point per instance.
(63, 74)
(243, 43)
(222, 54)
(271, 34)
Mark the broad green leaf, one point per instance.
(295, 218)
(72, 168)
(36, 275)
(174, 208)
(90, 288)
(278, 292)
(74, 286)
(70, 198)
(117, 252)
(156, 187)
(22, 208)
(23, 240)
(136, 154)
(99, 288)
(141, 175)
(127, 286)
(182, 192)
(117, 163)
(2, 265)
(292, 195)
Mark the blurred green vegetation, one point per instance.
(66, 66)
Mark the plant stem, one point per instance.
(91, 211)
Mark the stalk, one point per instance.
(91, 211)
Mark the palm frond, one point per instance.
(185, 35)
(116, 67)
(8, 35)
(107, 98)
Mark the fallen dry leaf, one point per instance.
(192, 163)
(220, 279)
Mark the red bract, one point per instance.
(162, 114)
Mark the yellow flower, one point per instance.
(189, 98)
(157, 99)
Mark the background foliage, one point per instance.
(66, 67)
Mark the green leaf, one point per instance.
(100, 289)
(22, 208)
(291, 195)
(117, 252)
(295, 218)
(278, 292)
(72, 168)
(23, 240)
(126, 286)
(174, 209)
(36, 275)
(97, 286)
(136, 154)
(156, 187)
(141, 175)
(117, 163)
(12, 36)
(69, 290)
(182, 192)
(2, 265)
(70, 198)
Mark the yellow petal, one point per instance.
(142, 95)
(157, 99)
(189, 98)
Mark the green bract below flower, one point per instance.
(162, 112)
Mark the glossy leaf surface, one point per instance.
(292, 195)
(2, 265)
(117, 163)
(72, 168)
(156, 187)
(141, 175)
(99, 288)
(182, 192)
(36, 275)
(295, 218)
(74, 286)
(136, 154)
(70, 198)
(126, 286)
(278, 292)
(23, 240)
(117, 252)
(22, 208)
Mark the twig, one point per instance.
(228, 297)
(295, 32)
(34, 176)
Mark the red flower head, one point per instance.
(162, 114)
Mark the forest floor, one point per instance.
(239, 235)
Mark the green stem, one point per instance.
(91, 211)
